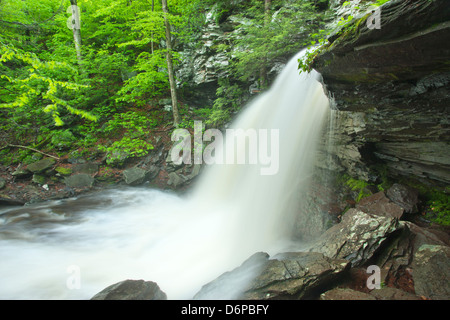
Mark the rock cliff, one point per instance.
(390, 90)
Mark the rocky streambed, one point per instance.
(378, 251)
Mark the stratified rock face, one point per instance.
(290, 275)
(391, 89)
(295, 275)
(131, 290)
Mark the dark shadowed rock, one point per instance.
(131, 290)
(21, 172)
(405, 197)
(345, 294)
(393, 294)
(397, 255)
(431, 272)
(7, 201)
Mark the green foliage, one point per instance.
(381, 2)
(359, 186)
(132, 132)
(39, 84)
(134, 124)
(63, 171)
(62, 139)
(270, 36)
(229, 100)
(131, 147)
(439, 204)
(148, 82)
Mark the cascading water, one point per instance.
(180, 243)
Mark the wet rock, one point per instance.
(134, 176)
(356, 237)
(345, 294)
(80, 180)
(8, 201)
(176, 179)
(395, 80)
(230, 285)
(131, 290)
(172, 166)
(405, 197)
(153, 172)
(41, 165)
(431, 272)
(295, 275)
(379, 204)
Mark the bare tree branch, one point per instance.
(29, 148)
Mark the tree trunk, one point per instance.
(76, 28)
(263, 69)
(173, 91)
(153, 9)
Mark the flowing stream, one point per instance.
(74, 248)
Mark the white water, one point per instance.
(180, 243)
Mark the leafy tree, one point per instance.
(276, 29)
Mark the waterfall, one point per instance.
(263, 207)
(179, 242)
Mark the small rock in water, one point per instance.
(131, 290)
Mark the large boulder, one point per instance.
(232, 284)
(295, 275)
(81, 180)
(356, 237)
(431, 272)
(41, 165)
(134, 176)
(396, 257)
(405, 197)
(379, 204)
(131, 290)
(290, 275)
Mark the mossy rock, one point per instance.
(64, 171)
(41, 165)
(38, 179)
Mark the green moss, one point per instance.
(438, 210)
(359, 186)
(64, 171)
(435, 201)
